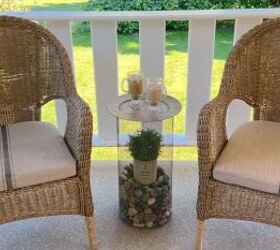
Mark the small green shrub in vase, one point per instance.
(144, 147)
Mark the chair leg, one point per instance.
(91, 233)
(199, 235)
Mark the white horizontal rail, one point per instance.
(142, 15)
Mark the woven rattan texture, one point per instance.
(252, 74)
(35, 69)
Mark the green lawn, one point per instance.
(128, 59)
(54, 5)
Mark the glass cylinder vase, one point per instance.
(145, 185)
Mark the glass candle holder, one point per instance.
(154, 92)
(135, 82)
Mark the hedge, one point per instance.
(156, 5)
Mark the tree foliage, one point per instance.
(145, 145)
(157, 5)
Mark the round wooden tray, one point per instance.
(169, 107)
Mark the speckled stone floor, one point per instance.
(68, 232)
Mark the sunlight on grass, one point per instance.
(223, 46)
(48, 112)
(55, 5)
(111, 153)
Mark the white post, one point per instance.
(238, 111)
(152, 53)
(201, 51)
(62, 30)
(104, 42)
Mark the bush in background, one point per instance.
(157, 5)
(130, 5)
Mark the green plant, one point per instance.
(145, 145)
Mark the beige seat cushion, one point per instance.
(251, 157)
(32, 153)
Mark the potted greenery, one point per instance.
(144, 147)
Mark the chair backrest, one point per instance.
(34, 69)
(252, 71)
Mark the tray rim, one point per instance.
(177, 107)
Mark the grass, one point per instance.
(54, 5)
(129, 60)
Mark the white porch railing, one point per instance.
(152, 54)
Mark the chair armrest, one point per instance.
(211, 134)
(211, 139)
(78, 135)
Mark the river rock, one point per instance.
(151, 201)
(123, 177)
(138, 225)
(158, 191)
(124, 196)
(162, 222)
(160, 179)
(144, 206)
(166, 198)
(131, 204)
(132, 211)
(124, 205)
(132, 182)
(131, 199)
(165, 188)
(136, 220)
(160, 171)
(127, 185)
(138, 193)
(152, 193)
(150, 217)
(124, 172)
(128, 168)
(140, 216)
(167, 213)
(145, 197)
(166, 179)
(148, 210)
(149, 224)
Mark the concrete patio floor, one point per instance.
(68, 232)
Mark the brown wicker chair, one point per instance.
(252, 74)
(35, 69)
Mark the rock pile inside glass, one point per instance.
(144, 206)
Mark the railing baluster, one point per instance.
(104, 39)
(62, 30)
(201, 51)
(152, 53)
(239, 112)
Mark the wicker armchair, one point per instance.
(35, 69)
(239, 176)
